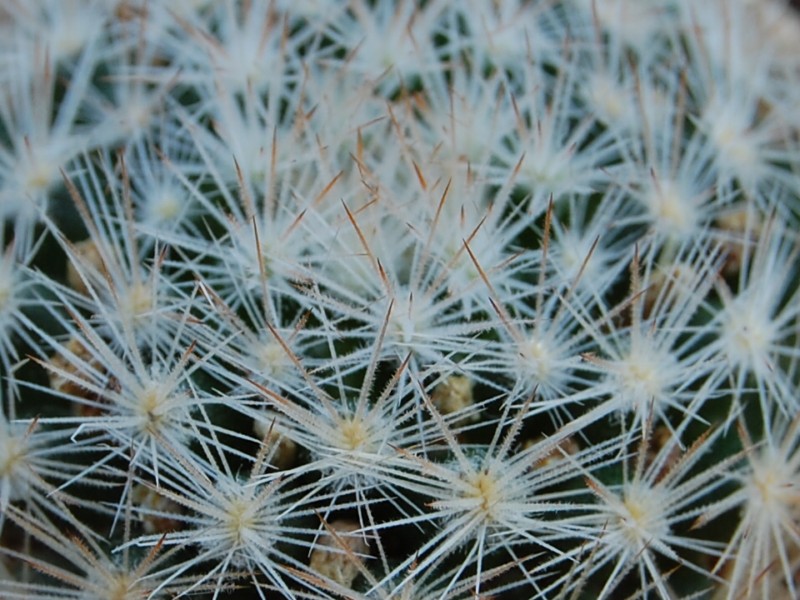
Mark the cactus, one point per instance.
(399, 300)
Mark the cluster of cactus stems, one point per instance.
(381, 299)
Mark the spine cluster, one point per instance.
(405, 300)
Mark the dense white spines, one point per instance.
(489, 283)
